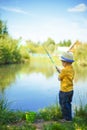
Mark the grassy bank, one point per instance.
(46, 119)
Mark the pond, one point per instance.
(35, 85)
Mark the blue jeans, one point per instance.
(65, 99)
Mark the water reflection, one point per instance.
(81, 73)
(9, 73)
(35, 85)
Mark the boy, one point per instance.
(66, 88)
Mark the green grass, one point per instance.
(10, 120)
(59, 126)
(50, 113)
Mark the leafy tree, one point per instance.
(50, 44)
(64, 43)
(81, 54)
(31, 46)
(3, 29)
(9, 52)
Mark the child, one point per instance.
(66, 88)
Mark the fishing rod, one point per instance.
(51, 59)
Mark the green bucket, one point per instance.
(30, 116)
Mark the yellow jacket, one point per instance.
(66, 78)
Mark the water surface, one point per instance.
(34, 86)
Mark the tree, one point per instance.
(9, 52)
(3, 29)
(65, 43)
(50, 44)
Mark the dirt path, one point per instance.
(40, 125)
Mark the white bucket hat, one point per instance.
(67, 56)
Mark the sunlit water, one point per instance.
(32, 87)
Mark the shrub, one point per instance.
(50, 113)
